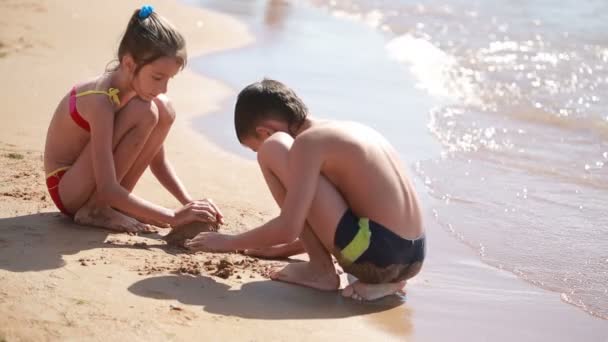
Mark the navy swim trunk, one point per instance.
(373, 253)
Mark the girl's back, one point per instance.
(66, 139)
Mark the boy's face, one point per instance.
(153, 78)
(262, 132)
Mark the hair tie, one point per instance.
(145, 11)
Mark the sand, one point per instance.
(62, 282)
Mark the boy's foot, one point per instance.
(109, 218)
(363, 291)
(303, 273)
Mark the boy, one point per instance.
(341, 189)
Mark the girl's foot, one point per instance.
(109, 218)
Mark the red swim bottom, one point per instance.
(52, 183)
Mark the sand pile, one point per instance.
(179, 235)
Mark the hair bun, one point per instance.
(145, 11)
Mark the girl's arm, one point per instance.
(163, 171)
(109, 191)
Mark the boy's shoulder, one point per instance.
(339, 136)
(334, 129)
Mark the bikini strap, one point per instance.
(112, 94)
(53, 173)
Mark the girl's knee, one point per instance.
(145, 113)
(166, 113)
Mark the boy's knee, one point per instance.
(277, 146)
(166, 113)
(282, 138)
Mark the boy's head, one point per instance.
(152, 51)
(265, 107)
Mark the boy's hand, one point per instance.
(210, 242)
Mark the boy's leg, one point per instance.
(319, 272)
(327, 209)
(325, 213)
(278, 193)
(133, 125)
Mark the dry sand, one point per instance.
(65, 282)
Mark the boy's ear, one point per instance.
(263, 132)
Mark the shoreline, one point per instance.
(249, 52)
(497, 271)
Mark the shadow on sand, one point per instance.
(39, 241)
(259, 299)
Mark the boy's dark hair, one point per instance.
(151, 38)
(268, 99)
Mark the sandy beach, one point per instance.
(64, 282)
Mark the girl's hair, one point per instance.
(149, 37)
(268, 99)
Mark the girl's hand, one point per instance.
(219, 217)
(202, 211)
(210, 242)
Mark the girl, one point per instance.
(105, 132)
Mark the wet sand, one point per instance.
(349, 62)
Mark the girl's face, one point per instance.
(153, 78)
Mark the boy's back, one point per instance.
(367, 171)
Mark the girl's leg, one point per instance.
(166, 116)
(132, 128)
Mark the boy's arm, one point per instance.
(163, 171)
(304, 168)
(279, 251)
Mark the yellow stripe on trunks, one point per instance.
(359, 244)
